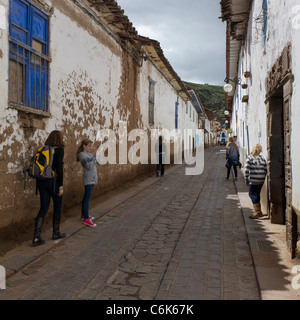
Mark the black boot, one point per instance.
(56, 233)
(37, 240)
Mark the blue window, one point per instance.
(28, 55)
(176, 115)
(151, 101)
(265, 15)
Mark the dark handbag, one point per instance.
(228, 165)
(235, 162)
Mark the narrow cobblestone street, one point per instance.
(91, 90)
(181, 237)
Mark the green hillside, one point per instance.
(212, 97)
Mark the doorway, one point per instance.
(276, 147)
(279, 91)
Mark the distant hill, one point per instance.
(212, 97)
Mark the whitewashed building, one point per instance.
(263, 50)
(78, 66)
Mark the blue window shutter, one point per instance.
(30, 26)
(176, 115)
(265, 15)
(39, 27)
(19, 21)
(38, 67)
(38, 88)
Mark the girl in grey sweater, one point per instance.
(89, 178)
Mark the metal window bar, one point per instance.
(45, 87)
(29, 79)
(17, 42)
(19, 55)
(34, 80)
(41, 100)
(24, 74)
(18, 74)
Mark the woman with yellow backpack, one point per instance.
(51, 188)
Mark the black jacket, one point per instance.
(58, 164)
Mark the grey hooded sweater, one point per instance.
(88, 162)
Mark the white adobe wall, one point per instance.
(295, 111)
(72, 78)
(93, 84)
(83, 66)
(164, 105)
(283, 28)
(9, 129)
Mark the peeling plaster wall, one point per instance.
(11, 136)
(94, 84)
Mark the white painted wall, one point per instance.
(257, 57)
(8, 117)
(164, 105)
(82, 62)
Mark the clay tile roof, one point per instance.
(155, 52)
(113, 16)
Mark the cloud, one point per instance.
(190, 33)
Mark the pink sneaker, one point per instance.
(89, 222)
(91, 218)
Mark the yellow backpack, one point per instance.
(40, 167)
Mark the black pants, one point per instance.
(47, 191)
(231, 163)
(160, 166)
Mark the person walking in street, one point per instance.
(51, 188)
(233, 158)
(255, 174)
(160, 149)
(90, 178)
(236, 141)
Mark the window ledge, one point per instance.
(29, 110)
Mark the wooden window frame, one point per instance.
(29, 48)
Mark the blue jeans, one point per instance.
(86, 200)
(47, 191)
(254, 192)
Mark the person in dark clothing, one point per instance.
(160, 149)
(51, 188)
(233, 158)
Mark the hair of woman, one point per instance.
(257, 149)
(55, 139)
(84, 142)
(230, 140)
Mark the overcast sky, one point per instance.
(190, 34)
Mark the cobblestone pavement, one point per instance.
(180, 237)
